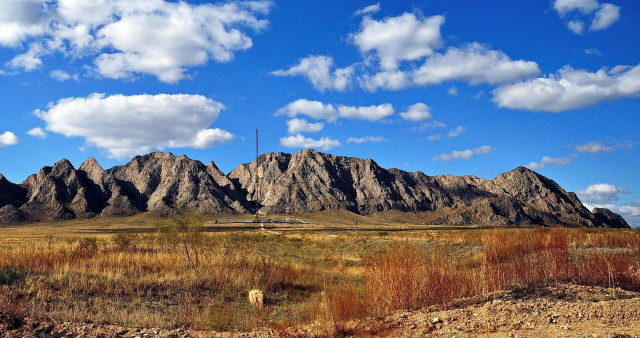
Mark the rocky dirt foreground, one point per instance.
(556, 311)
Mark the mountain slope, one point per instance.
(310, 181)
(301, 182)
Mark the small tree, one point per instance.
(186, 231)
(125, 240)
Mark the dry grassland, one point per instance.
(148, 272)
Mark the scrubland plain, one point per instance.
(189, 272)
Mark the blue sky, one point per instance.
(459, 87)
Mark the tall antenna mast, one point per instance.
(257, 177)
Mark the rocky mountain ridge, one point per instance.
(301, 182)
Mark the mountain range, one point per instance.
(305, 181)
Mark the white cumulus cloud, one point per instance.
(401, 38)
(295, 126)
(475, 64)
(605, 16)
(131, 125)
(578, 11)
(464, 154)
(601, 193)
(570, 89)
(417, 112)
(299, 141)
(565, 6)
(124, 38)
(370, 113)
(20, 20)
(319, 70)
(8, 139)
(313, 109)
(387, 79)
(37, 132)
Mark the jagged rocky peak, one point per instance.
(607, 218)
(165, 182)
(304, 181)
(91, 165)
(11, 194)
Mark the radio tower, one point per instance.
(258, 183)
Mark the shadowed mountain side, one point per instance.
(155, 182)
(303, 182)
(311, 181)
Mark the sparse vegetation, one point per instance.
(180, 275)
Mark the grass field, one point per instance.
(194, 273)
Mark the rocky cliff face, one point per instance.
(311, 181)
(158, 182)
(305, 181)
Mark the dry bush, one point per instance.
(155, 286)
(406, 276)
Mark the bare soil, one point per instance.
(562, 310)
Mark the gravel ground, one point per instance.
(558, 311)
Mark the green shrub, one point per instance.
(88, 244)
(125, 240)
(10, 275)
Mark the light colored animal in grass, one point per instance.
(256, 298)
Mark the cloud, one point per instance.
(475, 64)
(295, 126)
(464, 154)
(576, 26)
(580, 10)
(593, 148)
(370, 113)
(28, 61)
(20, 20)
(605, 17)
(8, 139)
(401, 38)
(601, 193)
(434, 137)
(565, 6)
(322, 111)
(299, 141)
(417, 112)
(371, 9)
(61, 75)
(126, 38)
(456, 132)
(388, 79)
(318, 69)
(37, 133)
(314, 109)
(359, 140)
(453, 91)
(132, 125)
(593, 51)
(570, 89)
(561, 161)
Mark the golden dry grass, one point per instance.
(83, 271)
